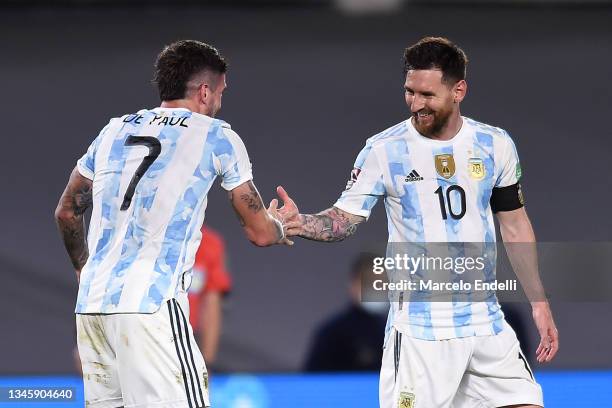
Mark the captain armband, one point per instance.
(507, 198)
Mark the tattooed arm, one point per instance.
(75, 200)
(262, 227)
(331, 225)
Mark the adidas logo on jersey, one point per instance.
(413, 176)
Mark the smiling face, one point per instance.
(432, 102)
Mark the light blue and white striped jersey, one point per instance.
(436, 191)
(151, 174)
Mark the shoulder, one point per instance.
(223, 137)
(379, 140)
(497, 133)
(226, 130)
(394, 132)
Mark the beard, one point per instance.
(431, 126)
(214, 111)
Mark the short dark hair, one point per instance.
(437, 53)
(179, 62)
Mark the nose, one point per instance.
(416, 103)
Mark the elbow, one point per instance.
(259, 238)
(261, 241)
(63, 215)
(517, 233)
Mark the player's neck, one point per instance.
(182, 103)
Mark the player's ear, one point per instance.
(204, 92)
(459, 91)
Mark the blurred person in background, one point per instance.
(210, 283)
(351, 340)
(146, 177)
(442, 177)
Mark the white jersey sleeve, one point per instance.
(509, 168)
(86, 164)
(232, 161)
(365, 186)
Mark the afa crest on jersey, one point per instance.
(445, 165)
(406, 400)
(476, 168)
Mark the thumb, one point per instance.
(273, 205)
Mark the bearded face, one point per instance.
(432, 102)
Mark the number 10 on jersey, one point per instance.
(446, 206)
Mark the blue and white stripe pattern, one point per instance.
(137, 255)
(414, 213)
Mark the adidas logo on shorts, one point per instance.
(413, 176)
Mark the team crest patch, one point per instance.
(445, 165)
(519, 171)
(476, 168)
(406, 400)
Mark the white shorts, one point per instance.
(470, 372)
(142, 360)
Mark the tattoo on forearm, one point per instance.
(82, 199)
(329, 226)
(231, 198)
(77, 198)
(73, 234)
(252, 198)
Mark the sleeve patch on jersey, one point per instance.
(507, 198)
(353, 178)
(519, 171)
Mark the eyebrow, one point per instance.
(426, 93)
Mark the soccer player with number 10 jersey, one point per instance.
(442, 177)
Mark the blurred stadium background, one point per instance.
(309, 81)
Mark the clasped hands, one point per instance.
(289, 215)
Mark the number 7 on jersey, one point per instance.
(154, 150)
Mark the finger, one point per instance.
(542, 356)
(292, 224)
(542, 349)
(554, 344)
(292, 232)
(273, 204)
(546, 350)
(553, 352)
(283, 194)
(539, 352)
(287, 242)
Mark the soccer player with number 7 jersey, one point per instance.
(442, 177)
(146, 177)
